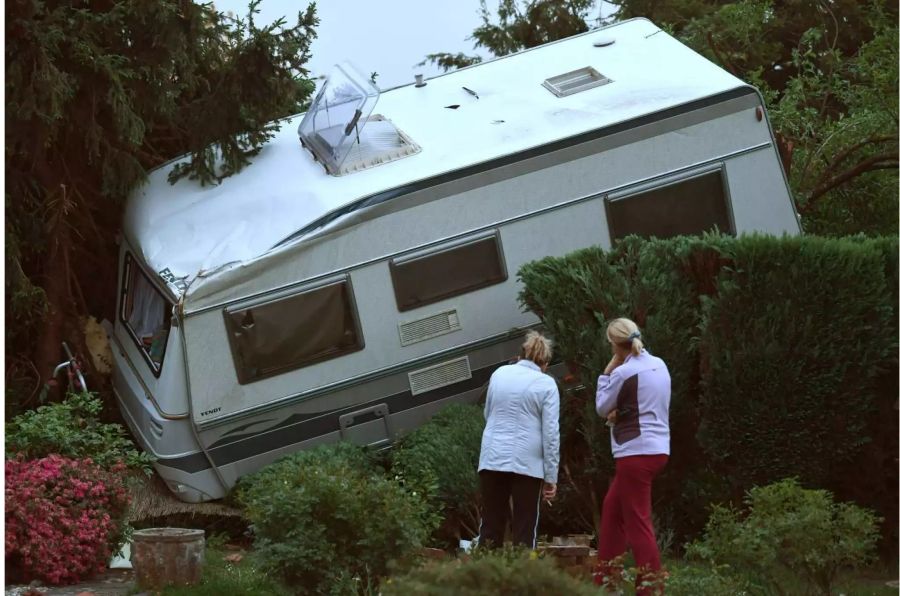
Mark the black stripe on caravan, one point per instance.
(584, 137)
(302, 427)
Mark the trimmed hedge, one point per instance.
(791, 345)
(777, 347)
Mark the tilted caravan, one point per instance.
(350, 284)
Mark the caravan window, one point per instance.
(289, 332)
(697, 204)
(447, 271)
(146, 314)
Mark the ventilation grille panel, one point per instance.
(440, 324)
(440, 375)
(575, 81)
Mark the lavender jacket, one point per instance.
(522, 430)
(640, 390)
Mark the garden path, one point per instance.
(115, 582)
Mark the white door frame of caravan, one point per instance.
(179, 314)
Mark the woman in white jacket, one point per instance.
(520, 445)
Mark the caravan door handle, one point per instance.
(371, 413)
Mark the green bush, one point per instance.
(326, 523)
(788, 535)
(72, 428)
(791, 345)
(439, 460)
(489, 574)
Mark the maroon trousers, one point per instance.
(625, 521)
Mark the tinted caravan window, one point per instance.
(146, 314)
(447, 271)
(293, 331)
(690, 206)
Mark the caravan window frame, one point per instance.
(659, 184)
(231, 311)
(131, 265)
(406, 302)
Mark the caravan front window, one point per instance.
(687, 206)
(283, 333)
(145, 313)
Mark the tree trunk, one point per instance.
(48, 352)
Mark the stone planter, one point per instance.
(167, 556)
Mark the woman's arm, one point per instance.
(550, 432)
(608, 386)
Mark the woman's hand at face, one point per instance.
(615, 362)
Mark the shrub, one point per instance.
(790, 347)
(488, 574)
(326, 522)
(72, 428)
(789, 533)
(63, 517)
(440, 461)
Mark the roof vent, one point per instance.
(575, 81)
(379, 142)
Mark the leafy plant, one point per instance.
(63, 517)
(789, 533)
(326, 524)
(439, 460)
(489, 573)
(72, 428)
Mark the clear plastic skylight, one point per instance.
(331, 126)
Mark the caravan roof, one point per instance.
(189, 229)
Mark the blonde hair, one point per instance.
(537, 348)
(625, 332)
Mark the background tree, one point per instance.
(97, 93)
(518, 27)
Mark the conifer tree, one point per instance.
(97, 93)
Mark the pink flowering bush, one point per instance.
(63, 517)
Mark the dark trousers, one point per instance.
(496, 490)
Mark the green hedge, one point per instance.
(778, 350)
(791, 345)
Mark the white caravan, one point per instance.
(351, 284)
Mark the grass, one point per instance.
(246, 578)
(869, 581)
(221, 577)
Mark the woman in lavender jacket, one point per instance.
(633, 393)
